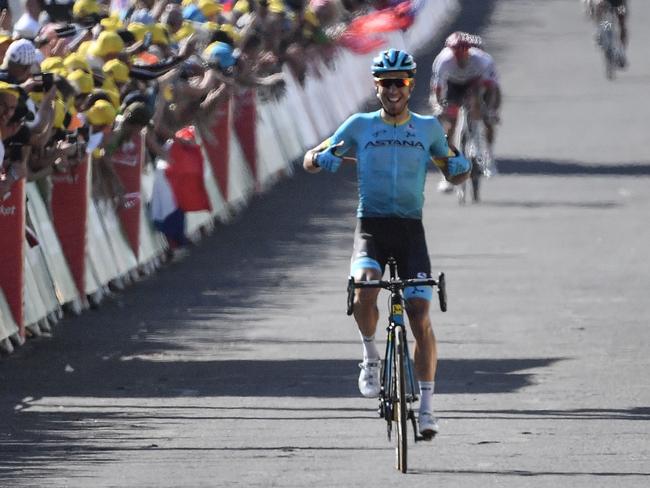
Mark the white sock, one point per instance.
(426, 395)
(370, 351)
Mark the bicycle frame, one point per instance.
(397, 395)
(471, 141)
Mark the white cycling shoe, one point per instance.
(428, 424)
(369, 378)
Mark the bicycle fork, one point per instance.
(386, 408)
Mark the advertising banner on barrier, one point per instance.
(12, 257)
(216, 145)
(70, 215)
(244, 123)
(127, 162)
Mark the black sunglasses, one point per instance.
(398, 82)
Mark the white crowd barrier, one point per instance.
(281, 131)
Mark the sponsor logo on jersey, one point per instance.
(394, 142)
(397, 309)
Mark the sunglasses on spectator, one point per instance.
(397, 82)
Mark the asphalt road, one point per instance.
(238, 365)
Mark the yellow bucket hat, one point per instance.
(186, 30)
(52, 64)
(112, 23)
(76, 61)
(106, 43)
(159, 34)
(101, 113)
(84, 8)
(209, 7)
(138, 30)
(81, 81)
(8, 88)
(117, 70)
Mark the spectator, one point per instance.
(27, 26)
(11, 167)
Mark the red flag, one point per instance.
(399, 17)
(185, 172)
(360, 43)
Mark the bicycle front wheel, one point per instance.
(400, 406)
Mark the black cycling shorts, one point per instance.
(378, 238)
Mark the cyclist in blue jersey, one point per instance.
(394, 147)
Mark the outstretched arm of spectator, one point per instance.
(45, 119)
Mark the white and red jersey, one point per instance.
(480, 67)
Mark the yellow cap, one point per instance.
(115, 97)
(112, 23)
(186, 30)
(109, 89)
(159, 34)
(106, 43)
(8, 88)
(84, 47)
(138, 30)
(276, 6)
(210, 26)
(83, 8)
(209, 7)
(52, 63)
(117, 70)
(76, 61)
(101, 113)
(230, 31)
(241, 6)
(81, 81)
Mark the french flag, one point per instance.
(179, 187)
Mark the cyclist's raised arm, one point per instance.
(448, 159)
(340, 143)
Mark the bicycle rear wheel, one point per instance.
(400, 406)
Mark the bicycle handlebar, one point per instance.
(390, 285)
(398, 285)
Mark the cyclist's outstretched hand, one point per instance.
(328, 160)
(458, 165)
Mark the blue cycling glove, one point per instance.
(458, 165)
(328, 160)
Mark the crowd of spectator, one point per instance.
(81, 77)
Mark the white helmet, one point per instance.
(20, 52)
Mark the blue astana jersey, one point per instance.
(392, 161)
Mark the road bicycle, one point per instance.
(398, 386)
(473, 144)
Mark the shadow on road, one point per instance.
(635, 413)
(37, 435)
(570, 168)
(483, 472)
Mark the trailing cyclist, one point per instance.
(598, 8)
(465, 75)
(602, 10)
(394, 147)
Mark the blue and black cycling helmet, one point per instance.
(393, 60)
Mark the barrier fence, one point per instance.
(83, 245)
